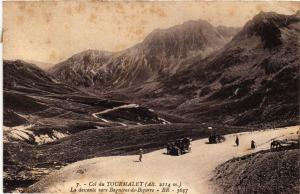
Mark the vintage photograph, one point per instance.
(128, 97)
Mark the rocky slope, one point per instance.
(253, 78)
(160, 54)
(263, 172)
(82, 69)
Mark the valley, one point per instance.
(176, 83)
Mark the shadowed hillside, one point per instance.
(263, 172)
(250, 80)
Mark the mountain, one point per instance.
(82, 69)
(23, 76)
(160, 54)
(32, 96)
(201, 72)
(253, 78)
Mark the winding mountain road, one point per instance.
(192, 170)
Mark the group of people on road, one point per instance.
(237, 142)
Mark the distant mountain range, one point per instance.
(195, 70)
(159, 55)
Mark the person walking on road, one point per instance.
(253, 145)
(237, 141)
(140, 154)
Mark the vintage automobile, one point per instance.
(179, 146)
(216, 138)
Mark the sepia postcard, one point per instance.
(151, 97)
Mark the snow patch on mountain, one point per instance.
(26, 133)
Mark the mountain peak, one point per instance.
(268, 18)
(267, 26)
(160, 54)
(180, 28)
(91, 52)
(86, 57)
(18, 63)
(190, 36)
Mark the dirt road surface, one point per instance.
(193, 170)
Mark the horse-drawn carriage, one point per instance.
(179, 146)
(285, 144)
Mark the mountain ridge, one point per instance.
(160, 54)
(245, 74)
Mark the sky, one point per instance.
(52, 31)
